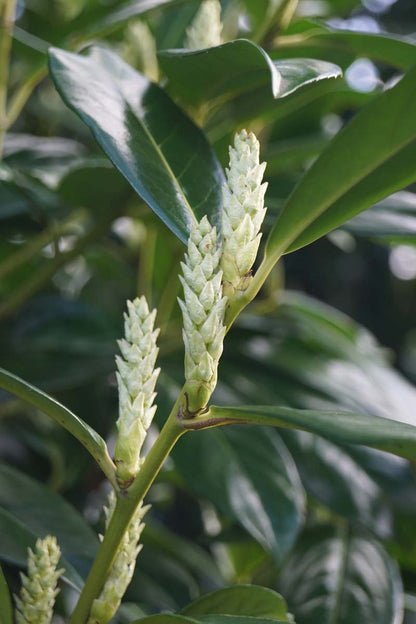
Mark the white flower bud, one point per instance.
(139, 49)
(37, 595)
(243, 212)
(136, 379)
(205, 31)
(105, 606)
(203, 314)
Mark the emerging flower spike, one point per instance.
(38, 593)
(140, 49)
(136, 379)
(205, 30)
(203, 314)
(105, 606)
(243, 212)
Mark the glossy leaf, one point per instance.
(338, 480)
(308, 354)
(252, 479)
(236, 619)
(231, 68)
(249, 600)
(194, 75)
(163, 155)
(298, 73)
(309, 38)
(6, 612)
(391, 220)
(168, 618)
(338, 187)
(88, 437)
(342, 578)
(106, 19)
(41, 511)
(345, 427)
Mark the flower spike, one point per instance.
(105, 606)
(203, 311)
(37, 596)
(205, 30)
(136, 379)
(243, 212)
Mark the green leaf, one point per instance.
(29, 505)
(194, 76)
(342, 578)
(372, 157)
(308, 354)
(333, 476)
(340, 426)
(185, 551)
(16, 538)
(6, 612)
(247, 600)
(108, 18)
(165, 619)
(25, 151)
(88, 437)
(309, 38)
(232, 619)
(392, 220)
(252, 479)
(163, 155)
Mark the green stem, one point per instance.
(23, 93)
(7, 11)
(146, 265)
(126, 505)
(241, 300)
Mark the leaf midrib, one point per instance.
(160, 154)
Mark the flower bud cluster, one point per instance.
(139, 49)
(38, 592)
(203, 314)
(205, 31)
(243, 212)
(105, 606)
(136, 379)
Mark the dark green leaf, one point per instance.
(163, 155)
(391, 220)
(39, 511)
(6, 613)
(194, 76)
(25, 151)
(372, 157)
(165, 619)
(248, 600)
(232, 619)
(342, 578)
(344, 427)
(232, 68)
(252, 479)
(108, 18)
(312, 39)
(186, 552)
(335, 478)
(88, 437)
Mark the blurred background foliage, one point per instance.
(333, 326)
